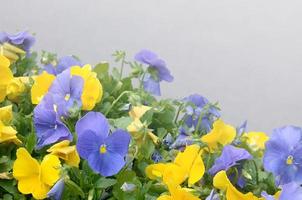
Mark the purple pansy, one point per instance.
(157, 71)
(283, 153)
(182, 140)
(57, 190)
(104, 152)
(23, 39)
(213, 196)
(49, 127)
(267, 196)
(229, 157)
(193, 112)
(67, 91)
(292, 191)
(63, 64)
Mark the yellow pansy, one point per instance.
(34, 178)
(8, 134)
(66, 152)
(16, 87)
(6, 114)
(41, 86)
(136, 126)
(222, 182)
(187, 164)
(256, 140)
(221, 133)
(92, 90)
(6, 76)
(178, 193)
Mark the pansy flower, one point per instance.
(104, 152)
(178, 193)
(221, 134)
(6, 114)
(92, 89)
(187, 164)
(6, 76)
(7, 133)
(66, 152)
(63, 64)
(157, 71)
(33, 177)
(57, 190)
(49, 127)
(222, 182)
(197, 108)
(256, 140)
(282, 154)
(229, 157)
(66, 91)
(40, 87)
(23, 39)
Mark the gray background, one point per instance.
(246, 54)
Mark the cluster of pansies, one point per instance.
(71, 130)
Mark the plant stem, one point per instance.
(116, 100)
(122, 67)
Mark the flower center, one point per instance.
(290, 160)
(103, 149)
(67, 97)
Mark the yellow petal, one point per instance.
(50, 169)
(174, 174)
(4, 62)
(221, 133)
(8, 134)
(197, 170)
(92, 90)
(256, 140)
(186, 158)
(138, 111)
(14, 89)
(155, 171)
(66, 152)
(222, 182)
(178, 193)
(25, 166)
(41, 86)
(165, 197)
(6, 114)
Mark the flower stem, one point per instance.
(115, 101)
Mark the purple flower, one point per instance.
(57, 190)
(267, 196)
(182, 140)
(49, 127)
(193, 113)
(229, 157)
(24, 40)
(283, 155)
(63, 64)
(156, 156)
(292, 191)
(67, 91)
(213, 196)
(105, 153)
(157, 71)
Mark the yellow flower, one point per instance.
(66, 152)
(256, 140)
(221, 133)
(136, 127)
(6, 76)
(8, 134)
(187, 164)
(41, 86)
(6, 114)
(222, 182)
(34, 178)
(92, 90)
(15, 88)
(178, 193)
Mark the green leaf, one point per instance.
(30, 142)
(122, 122)
(75, 188)
(101, 69)
(105, 182)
